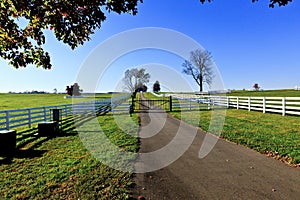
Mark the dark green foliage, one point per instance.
(72, 21)
(156, 86)
(278, 2)
(271, 5)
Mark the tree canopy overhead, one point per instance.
(72, 22)
(271, 4)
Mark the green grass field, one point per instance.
(262, 93)
(18, 101)
(266, 93)
(62, 168)
(271, 134)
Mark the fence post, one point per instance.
(264, 104)
(45, 114)
(29, 118)
(7, 119)
(190, 103)
(283, 106)
(249, 103)
(228, 102)
(170, 103)
(132, 102)
(112, 106)
(66, 110)
(237, 103)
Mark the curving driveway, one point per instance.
(229, 171)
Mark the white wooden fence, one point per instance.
(281, 105)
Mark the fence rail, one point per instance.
(281, 105)
(189, 104)
(28, 117)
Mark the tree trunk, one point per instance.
(201, 84)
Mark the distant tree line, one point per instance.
(29, 92)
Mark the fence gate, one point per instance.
(152, 104)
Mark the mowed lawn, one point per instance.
(275, 135)
(61, 167)
(266, 93)
(18, 101)
(271, 134)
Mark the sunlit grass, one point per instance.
(266, 93)
(273, 134)
(18, 101)
(62, 168)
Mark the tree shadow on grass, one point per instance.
(20, 153)
(29, 140)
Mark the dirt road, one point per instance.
(229, 171)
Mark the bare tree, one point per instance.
(135, 78)
(199, 67)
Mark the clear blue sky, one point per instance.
(250, 43)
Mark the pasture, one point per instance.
(266, 93)
(18, 101)
(61, 167)
(253, 93)
(271, 134)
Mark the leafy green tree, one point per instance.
(142, 88)
(256, 87)
(271, 4)
(72, 22)
(156, 86)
